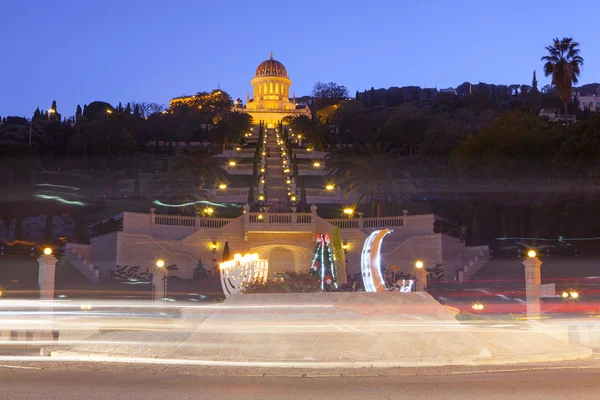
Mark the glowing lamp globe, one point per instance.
(160, 263)
(419, 264)
(47, 251)
(531, 253)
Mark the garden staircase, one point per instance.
(85, 267)
(476, 257)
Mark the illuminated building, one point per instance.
(271, 87)
(271, 102)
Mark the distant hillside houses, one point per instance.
(588, 101)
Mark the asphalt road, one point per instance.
(110, 381)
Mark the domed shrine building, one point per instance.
(271, 102)
(271, 87)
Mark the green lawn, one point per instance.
(239, 181)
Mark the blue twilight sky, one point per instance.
(151, 50)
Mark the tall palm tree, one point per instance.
(564, 63)
(373, 175)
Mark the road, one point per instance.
(133, 382)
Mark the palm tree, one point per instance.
(231, 128)
(201, 167)
(564, 63)
(372, 174)
(299, 124)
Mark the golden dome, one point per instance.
(271, 67)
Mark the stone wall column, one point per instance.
(533, 279)
(197, 221)
(46, 274)
(421, 283)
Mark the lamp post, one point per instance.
(533, 279)
(160, 265)
(421, 285)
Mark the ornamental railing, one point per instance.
(192, 222)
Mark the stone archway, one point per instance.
(284, 258)
(281, 260)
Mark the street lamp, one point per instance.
(348, 211)
(531, 253)
(160, 264)
(209, 210)
(214, 247)
(345, 247)
(47, 251)
(419, 264)
(329, 187)
(222, 186)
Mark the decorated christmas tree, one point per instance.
(322, 265)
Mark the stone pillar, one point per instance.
(533, 279)
(197, 221)
(266, 216)
(294, 218)
(158, 286)
(361, 222)
(152, 211)
(47, 271)
(404, 217)
(421, 276)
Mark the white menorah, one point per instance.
(238, 273)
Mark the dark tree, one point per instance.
(226, 252)
(330, 91)
(372, 100)
(534, 84)
(78, 113)
(415, 95)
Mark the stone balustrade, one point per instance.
(175, 226)
(194, 222)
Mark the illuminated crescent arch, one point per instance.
(370, 262)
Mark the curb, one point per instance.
(62, 355)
